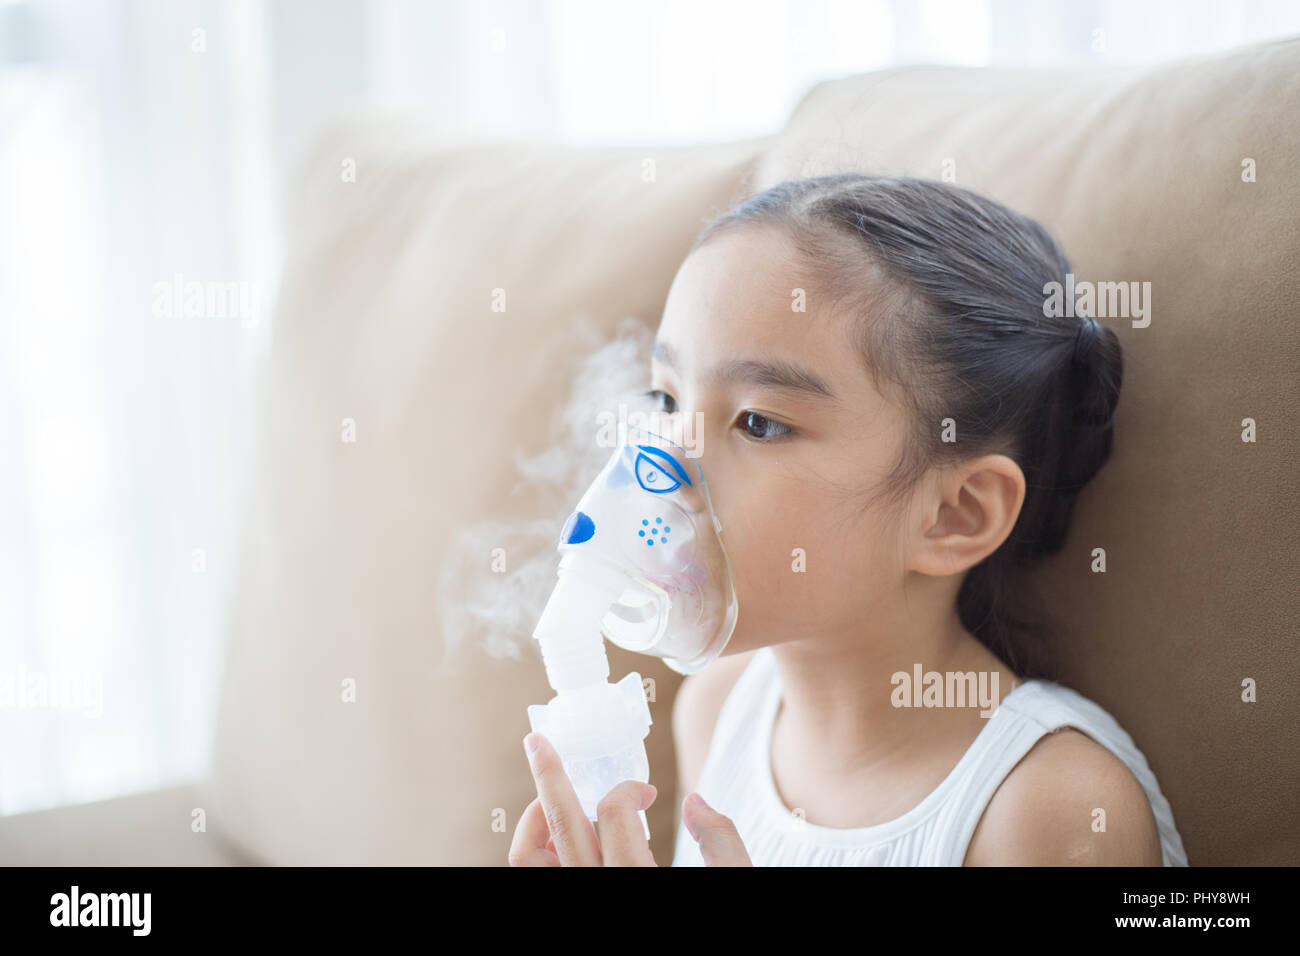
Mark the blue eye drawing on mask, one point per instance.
(659, 472)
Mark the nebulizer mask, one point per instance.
(641, 563)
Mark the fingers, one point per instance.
(532, 845)
(720, 843)
(618, 825)
(574, 836)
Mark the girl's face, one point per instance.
(793, 439)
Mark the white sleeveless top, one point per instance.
(737, 781)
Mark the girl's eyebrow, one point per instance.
(777, 374)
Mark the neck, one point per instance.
(837, 696)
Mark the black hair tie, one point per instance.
(1085, 339)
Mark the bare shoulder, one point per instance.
(1068, 802)
(695, 712)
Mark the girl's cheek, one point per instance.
(775, 539)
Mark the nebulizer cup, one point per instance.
(641, 563)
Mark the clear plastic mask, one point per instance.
(649, 515)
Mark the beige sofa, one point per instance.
(385, 318)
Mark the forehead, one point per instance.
(737, 297)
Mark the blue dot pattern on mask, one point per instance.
(662, 532)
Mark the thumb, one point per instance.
(720, 843)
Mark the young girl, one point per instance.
(894, 430)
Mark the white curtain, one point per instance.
(126, 158)
(144, 146)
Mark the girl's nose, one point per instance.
(699, 441)
(672, 427)
(687, 430)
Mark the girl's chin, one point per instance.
(744, 643)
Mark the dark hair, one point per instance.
(949, 287)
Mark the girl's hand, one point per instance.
(554, 831)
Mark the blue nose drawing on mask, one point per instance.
(577, 529)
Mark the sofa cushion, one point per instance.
(155, 828)
(385, 327)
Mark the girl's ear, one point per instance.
(970, 512)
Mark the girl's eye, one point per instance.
(761, 428)
(663, 401)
